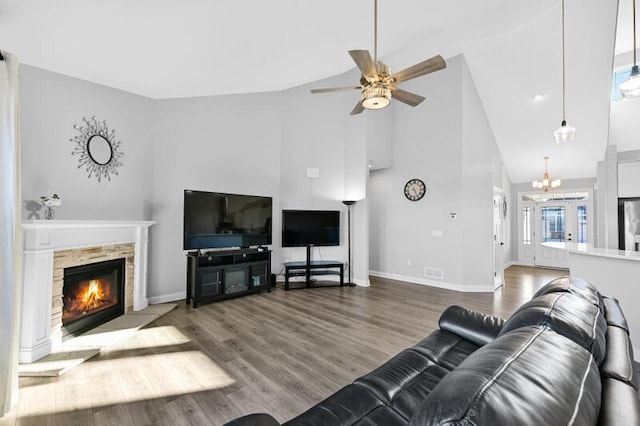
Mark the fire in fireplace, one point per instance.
(92, 295)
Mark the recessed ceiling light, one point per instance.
(537, 97)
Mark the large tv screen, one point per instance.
(219, 220)
(310, 227)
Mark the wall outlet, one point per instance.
(313, 173)
(409, 263)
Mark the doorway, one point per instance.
(499, 214)
(560, 217)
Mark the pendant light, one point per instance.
(565, 133)
(630, 88)
(546, 183)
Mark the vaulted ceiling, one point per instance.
(166, 49)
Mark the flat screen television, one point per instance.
(219, 220)
(310, 227)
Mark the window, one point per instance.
(582, 224)
(545, 197)
(618, 77)
(552, 224)
(526, 225)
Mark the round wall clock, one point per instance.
(414, 190)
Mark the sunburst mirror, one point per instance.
(97, 148)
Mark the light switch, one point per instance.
(437, 232)
(313, 172)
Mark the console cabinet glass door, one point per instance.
(210, 280)
(259, 274)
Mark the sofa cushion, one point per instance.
(620, 404)
(618, 363)
(386, 381)
(613, 313)
(530, 376)
(567, 314)
(348, 406)
(575, 286)
(474, 326)
(445, 349)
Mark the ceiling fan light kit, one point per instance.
(375, 96)
(565, 133)
(377, 83)
(630, 88)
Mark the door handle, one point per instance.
(501, 243)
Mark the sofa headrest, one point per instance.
(530, 376)
(613, 313)
(568, 315)
(574, 285)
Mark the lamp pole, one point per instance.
(349, 204)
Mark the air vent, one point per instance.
(436, 273)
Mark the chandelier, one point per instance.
(546, 183)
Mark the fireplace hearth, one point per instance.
(92, 295)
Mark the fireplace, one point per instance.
(92, 295)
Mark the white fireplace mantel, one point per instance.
(41, 239)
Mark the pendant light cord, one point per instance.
(375, 32)
(634, 33)
(564, 95)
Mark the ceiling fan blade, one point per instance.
(357, 109)
(425, 67)
(363, 60)
(335, 89)
(406, 97)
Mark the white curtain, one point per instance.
(10, 232)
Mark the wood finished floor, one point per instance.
(278, 352)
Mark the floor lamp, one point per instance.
(349, 204)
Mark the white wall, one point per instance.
(224, 143)
(50, 105)
(446, 142)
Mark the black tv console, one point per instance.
(219, 275)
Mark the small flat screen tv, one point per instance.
(219, 220)
(310, 228)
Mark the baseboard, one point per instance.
(433, 283)
(167, 298)
(511, 263)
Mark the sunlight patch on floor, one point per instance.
(133, 379)
(154, 337)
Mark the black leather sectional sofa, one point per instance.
(564, 358)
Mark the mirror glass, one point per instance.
(99, 150)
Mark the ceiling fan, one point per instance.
(377, 83)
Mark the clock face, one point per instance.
(414, 190)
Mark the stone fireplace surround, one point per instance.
(52, 245)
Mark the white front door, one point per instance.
(498, 239)
(554, 223)
(552, 216)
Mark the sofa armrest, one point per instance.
(474, 326)
(259, 419)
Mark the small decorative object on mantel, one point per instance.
(49, 202)
(98, 148)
